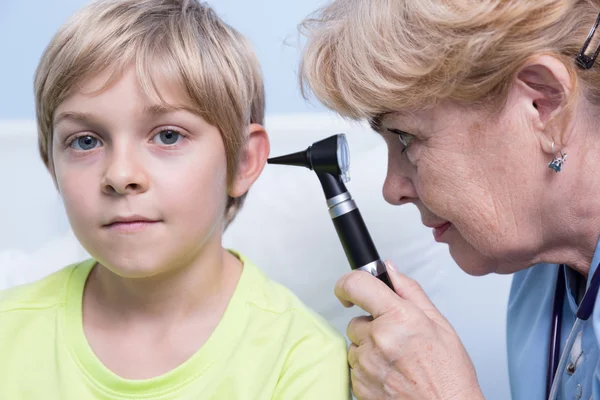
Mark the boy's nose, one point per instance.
(124, 175)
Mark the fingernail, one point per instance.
(390, 266)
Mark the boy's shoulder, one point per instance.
(313, 353)
(45, 293)
(271, 297)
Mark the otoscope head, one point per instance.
(329, 156)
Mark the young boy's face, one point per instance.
(144, 185)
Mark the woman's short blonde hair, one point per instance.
(364, 58)
(183, 41)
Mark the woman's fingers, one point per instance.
(358, 329)
(410, 290)
(405, 349)
(352, 355)
(360, 385)
(367, 292)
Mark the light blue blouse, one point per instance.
(528, 335)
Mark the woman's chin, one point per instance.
(470, 260)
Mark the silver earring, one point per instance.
(557, 164)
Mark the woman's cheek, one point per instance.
(432, 179)
(413, 153)
(411, 156)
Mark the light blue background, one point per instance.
(26, 27)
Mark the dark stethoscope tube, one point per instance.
(556, 323)
(584, 312)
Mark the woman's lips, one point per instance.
(439, 231)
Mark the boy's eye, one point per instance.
(167, 137)
(84, 143)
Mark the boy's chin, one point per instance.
(135, 267)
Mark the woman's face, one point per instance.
(478, 179)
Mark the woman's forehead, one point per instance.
(429, 120)
(406, 118)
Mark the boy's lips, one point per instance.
(130, 223)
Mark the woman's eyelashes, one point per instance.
(85, 142)
(404, 137)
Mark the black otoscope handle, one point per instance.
(351, 229)
(356, 241)
(355, 238)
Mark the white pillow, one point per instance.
(284, 228)
(31, 211)
(19, 266)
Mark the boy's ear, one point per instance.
(252, 160)
(545, 85)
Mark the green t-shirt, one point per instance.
(268, 345)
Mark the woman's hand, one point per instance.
(407, 349)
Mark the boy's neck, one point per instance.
(198, 289)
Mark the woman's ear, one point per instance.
(252, 160)
(547, 85)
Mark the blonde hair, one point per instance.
(364, 58)
(181, 40)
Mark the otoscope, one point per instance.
(330, 159)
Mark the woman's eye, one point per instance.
(404, 138)
(85, 143)
(167, 137)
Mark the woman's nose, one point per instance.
(124, 174)
(398, 187)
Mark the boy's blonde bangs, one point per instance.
(177, 41)
(364, 58)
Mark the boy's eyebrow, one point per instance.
(154, 110)
(160, 109)
(73, 116)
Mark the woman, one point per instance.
(479, 102)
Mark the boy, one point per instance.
(150, 118)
